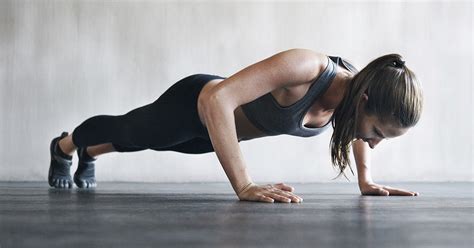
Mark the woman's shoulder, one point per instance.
(321, 58)
(317, 63)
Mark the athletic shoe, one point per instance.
(59, 169)
(84, 177)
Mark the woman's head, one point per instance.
(382, 101)
(372, 129)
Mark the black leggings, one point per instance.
(171, 123)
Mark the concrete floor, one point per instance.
(209, 215)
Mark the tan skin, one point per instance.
(214, 115)
(317, 116)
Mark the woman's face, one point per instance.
(371, 130)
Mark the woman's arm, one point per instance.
(362, 157)
(220, 122)
(287, 68)
(222, 132)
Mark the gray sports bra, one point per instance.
(271, 118)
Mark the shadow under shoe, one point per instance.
(59, 175)
(84, 177)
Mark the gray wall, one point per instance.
(64, 61)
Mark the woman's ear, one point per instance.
(365, 97)
(363, 100)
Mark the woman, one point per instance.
(296, 92)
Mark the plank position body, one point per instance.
(296, 92)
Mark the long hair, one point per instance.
(395, 96)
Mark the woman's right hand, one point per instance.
(269, 193)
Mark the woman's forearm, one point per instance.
(362, 158)
(220, 122)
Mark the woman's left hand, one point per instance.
(377, 189)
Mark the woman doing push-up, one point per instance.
(296, 92)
